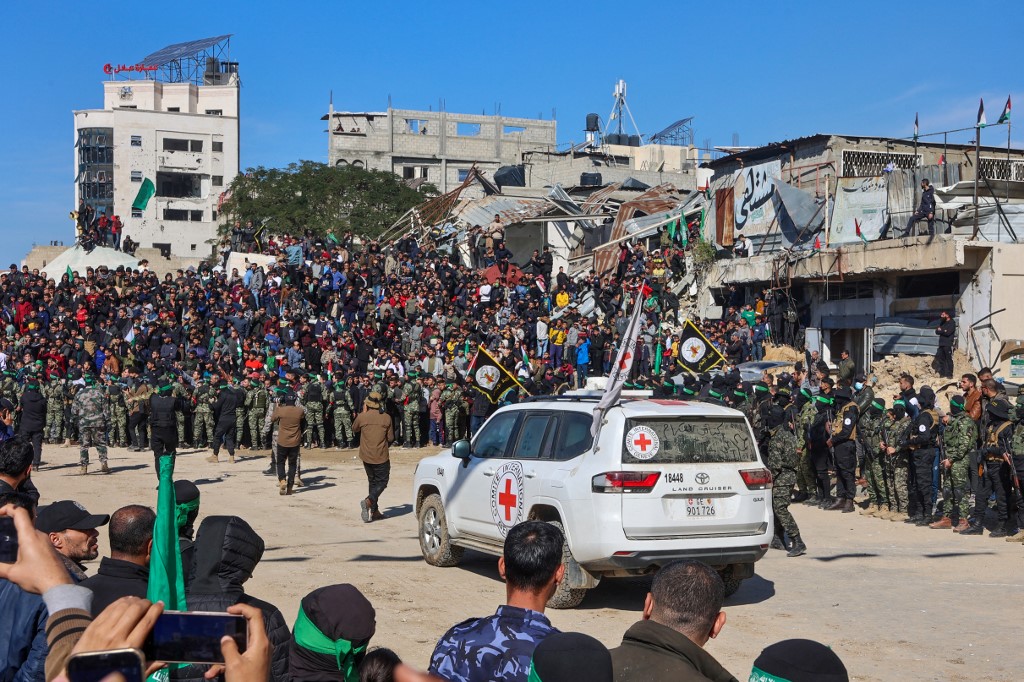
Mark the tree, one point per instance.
(320, 198)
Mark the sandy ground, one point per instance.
(894, 601)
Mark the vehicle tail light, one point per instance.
(757, 479)
(625, 482)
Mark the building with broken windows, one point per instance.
(438, 147)
(852, 289)
(172, 119)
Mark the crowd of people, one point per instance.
(52, 609)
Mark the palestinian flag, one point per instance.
(488, 376)
(856, 226)
(981, 115)
(915, 127)
(696, 354)
(1005, 117)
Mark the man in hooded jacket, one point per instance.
(227, 550)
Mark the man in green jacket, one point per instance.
(682, 612)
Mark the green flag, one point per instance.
(331, 238)
(671, 227)
(166, 582)
(70, 274)
(146, 193)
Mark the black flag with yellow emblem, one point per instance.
(696, 353)
(488, 376)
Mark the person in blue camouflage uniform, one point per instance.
(500, 647)
(783, 461)
(958, 439)
(92, 412)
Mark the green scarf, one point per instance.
(308, 636)
(182, 510)
(758, 675)
(534, 677)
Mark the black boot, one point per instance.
(797, 548)
(777, 543)
(973, 529)
(999, 532)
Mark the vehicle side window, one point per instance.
(496, 435)
(574, 436)
(533, 435)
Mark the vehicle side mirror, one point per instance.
(461, 450)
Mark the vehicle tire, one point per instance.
(435, 543)
(566, 597)
(731, 584)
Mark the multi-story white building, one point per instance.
(176, 126)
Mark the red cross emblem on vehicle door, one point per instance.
(642, 442)
(507, 499)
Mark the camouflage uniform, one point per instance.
(451, 401)
(313, 401)
(900, 465)
(242, 394)
(54, 393)
(341, 401)
(878, 477)
(179, 391)
(256, 401)
(412, 395)
(118, 414)
(959, 438)
(498, 647)
(92, 413)
(806, 479)
(202, 431)
(783, 461)
(869, 430)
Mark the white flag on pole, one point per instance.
(623, 364)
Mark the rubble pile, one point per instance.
(782, 354)
(888, 370)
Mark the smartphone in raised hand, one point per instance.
(94, 666)
(194, 636)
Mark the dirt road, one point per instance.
(894, 601)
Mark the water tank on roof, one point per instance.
(613, 138)
(634, 140)
(590, 179)
(592, 123)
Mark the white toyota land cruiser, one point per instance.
(667, 479)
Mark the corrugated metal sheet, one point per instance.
(907, 335)
(903, 187)
(992, 226)
(660, 199)
(511, 209)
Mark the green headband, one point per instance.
(957, 400)
(758, 675)
(877, 405)
(534, 677)
(308, 636)
(182, 510)
(741, 394)
(715, 394)
(823, 399)
(689, 391)
(759, 387)
(901, 403)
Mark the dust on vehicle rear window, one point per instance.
(687, 441)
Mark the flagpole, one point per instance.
(945, 174)
(977, 173)
(1009, 167)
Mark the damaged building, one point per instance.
(853, 290)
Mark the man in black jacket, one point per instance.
(224, 418)
(944, 353)
(125, 573)
(163, 421)
(33, 419)
(682, 612)
(926, 209)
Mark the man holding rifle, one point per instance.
(993, 470)
(958, 439)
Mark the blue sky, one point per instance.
(766, 71)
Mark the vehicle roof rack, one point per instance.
(561, 398)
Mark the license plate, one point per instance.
(700, 506)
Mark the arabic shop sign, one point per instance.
(112, 69)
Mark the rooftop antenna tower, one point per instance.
(620, 109)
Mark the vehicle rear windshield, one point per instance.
(687, 441)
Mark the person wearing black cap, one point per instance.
(225, 409)
(798, 660)
(164, 408)
(682, 612)
(571, 656)
(331, 635)
(32, 407)
(72, 532)
(922, 439)
(843, 442)
(186, 510)
(993, 471)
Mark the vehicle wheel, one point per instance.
(435, 543)
(731, 584)
(566, 597)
